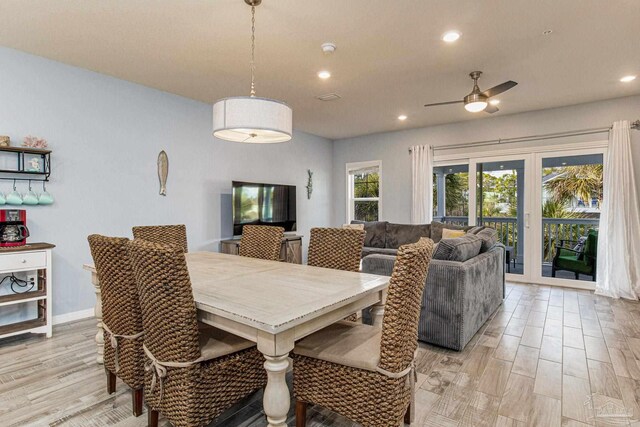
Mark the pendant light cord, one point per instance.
(253, 50)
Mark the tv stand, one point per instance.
(290, 250)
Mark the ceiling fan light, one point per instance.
(475, 107)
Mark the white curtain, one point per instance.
(421, 184)
(618, 268)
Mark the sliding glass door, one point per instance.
(545, 207)
(451, 193)
(500, 199)
(569, 195)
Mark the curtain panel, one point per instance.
(618, 260)
(421, 184)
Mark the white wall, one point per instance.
(105, 135)
(392, 147)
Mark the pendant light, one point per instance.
(252, 119)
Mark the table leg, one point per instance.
(276, 400)
(98, 314)
(508, 256)
(377, 310)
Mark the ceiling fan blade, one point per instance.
(496, 90)
(491, 109)
(443, 103)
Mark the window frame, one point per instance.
(350, 187)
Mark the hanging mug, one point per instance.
(14, 198)
(45, 197)
(30, 197)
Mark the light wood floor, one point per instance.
(548, 357)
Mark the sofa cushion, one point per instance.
(376, 233)
(402, 234)
(344, 343)
(383, 251)
(437, 227)
(459, 249)
(489, 237)
(476, 229)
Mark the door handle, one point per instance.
(526, 220)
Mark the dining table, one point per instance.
(273, 304)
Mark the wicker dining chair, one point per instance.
(363, 372)
(337, 248)
(261, 241)
(191, 376)
(164, 234)
(121, 316)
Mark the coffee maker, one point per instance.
(13, 227)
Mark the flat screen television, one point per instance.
(263, 204)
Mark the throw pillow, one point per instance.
(580, 245)
(489, 237)
(460, 249)
(452, 234)
(353, 226)
(437, 227)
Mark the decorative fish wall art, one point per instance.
(163, 172)
(309, 183)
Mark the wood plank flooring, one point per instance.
(548, 357)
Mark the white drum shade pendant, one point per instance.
(252, 119)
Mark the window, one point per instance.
(363, 191)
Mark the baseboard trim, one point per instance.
(73, 316)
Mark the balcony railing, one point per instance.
(553, 230)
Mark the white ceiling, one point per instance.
(390, 59)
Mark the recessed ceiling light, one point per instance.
(324, 75)
(402, 117)
(627, 79)
(451, 36)
(547, 32)
(494, 102)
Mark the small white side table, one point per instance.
(33, 257)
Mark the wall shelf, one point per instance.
(21, 173)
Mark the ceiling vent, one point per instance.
(329, 97)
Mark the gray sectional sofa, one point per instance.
(463, 288)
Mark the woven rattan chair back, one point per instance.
(337, 248)
(402, 309)
(120, 306)
(166, 299)
(163, 234)
(261, 241)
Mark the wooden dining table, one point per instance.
(273, 304)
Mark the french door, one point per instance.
(543, 204)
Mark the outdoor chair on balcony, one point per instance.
(578, 257)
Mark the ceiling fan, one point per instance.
(477, 101)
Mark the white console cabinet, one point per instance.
(35, 258)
